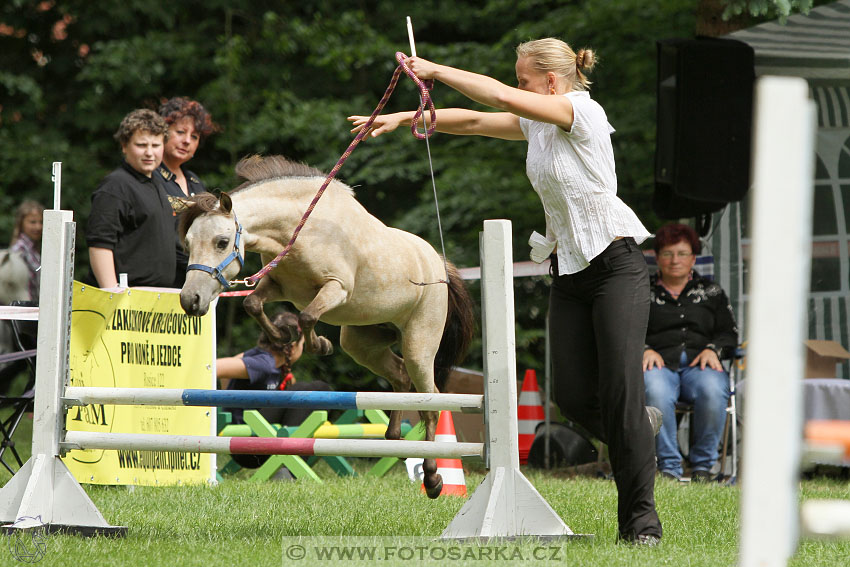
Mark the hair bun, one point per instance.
(585, 59)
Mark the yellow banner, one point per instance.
(140, 339)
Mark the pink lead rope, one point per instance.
(424, 98)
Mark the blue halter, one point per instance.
(217, 271)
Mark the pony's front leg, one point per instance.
(267, 290)
(331, 295)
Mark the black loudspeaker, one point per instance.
(669, 205)
(704, 123)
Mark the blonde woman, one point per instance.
(599, 297)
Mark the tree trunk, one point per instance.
(710, 20)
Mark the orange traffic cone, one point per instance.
(529, 413)
(454, 483)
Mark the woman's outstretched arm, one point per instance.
(459, 121)
(488, 91)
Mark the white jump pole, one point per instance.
(783, 173)
(273, 445)
(505, 504)
(465, 403)
(44, 493)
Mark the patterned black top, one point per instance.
(701, 317)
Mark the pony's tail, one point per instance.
(457, 334)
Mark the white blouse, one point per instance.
(573, 173)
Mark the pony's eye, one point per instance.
(222, 243)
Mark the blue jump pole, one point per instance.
(250, 399)
(270, 399)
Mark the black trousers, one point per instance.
(597, 326)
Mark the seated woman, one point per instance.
(690, 322)
(266, 367)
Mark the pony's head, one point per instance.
(213, 237)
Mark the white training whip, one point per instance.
(410, 37)
(430, 162)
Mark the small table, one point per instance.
(826, 398)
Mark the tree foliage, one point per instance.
(771, 8)
(280, 77)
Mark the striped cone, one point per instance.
(529, 413)
(454, 483)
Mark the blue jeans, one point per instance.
(708, 391)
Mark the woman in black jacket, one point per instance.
(690, 324)
(189, 124)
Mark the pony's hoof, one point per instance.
(325, 347)
(434, 491)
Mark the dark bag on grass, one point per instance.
(567, 447)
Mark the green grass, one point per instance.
(243, 523)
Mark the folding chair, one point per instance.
(24, 336)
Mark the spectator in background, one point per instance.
(690, 323)
(26, 241)
(189, 124)
(267, 367)
(131, 226)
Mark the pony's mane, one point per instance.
(254, 169)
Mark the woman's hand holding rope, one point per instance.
(381, 124)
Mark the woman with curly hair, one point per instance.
(189, 124)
